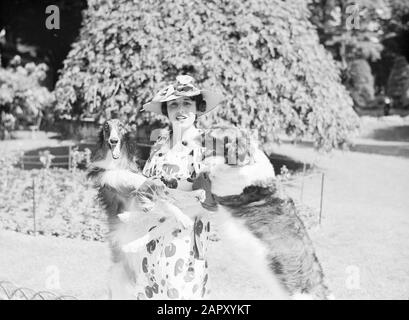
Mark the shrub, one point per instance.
(361, 83)
(265, 57)
(23, 100)
(398, 82)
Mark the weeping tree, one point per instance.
(264, 55)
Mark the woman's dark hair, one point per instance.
(200, 104)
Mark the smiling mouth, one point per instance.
(181, 117)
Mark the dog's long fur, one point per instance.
(274, 221)
(117, 178)
(119, 183)
(123, 188)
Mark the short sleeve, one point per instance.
(156, 156)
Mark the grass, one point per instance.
(364, 228)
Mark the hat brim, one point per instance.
(213, 99)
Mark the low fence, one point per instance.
(9, 291)
(307, 190)
(72, 159)
(68, 157)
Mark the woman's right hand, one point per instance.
(170, 169)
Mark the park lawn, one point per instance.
(82, 268)
(37, 262)
(362, 242)
(364, 228)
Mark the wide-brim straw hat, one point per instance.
(183, 87)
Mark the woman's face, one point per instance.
(182, 112)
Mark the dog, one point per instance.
(115, 172)
(144, 274)
(132, 201)
(140, 211)
(248, 193)
(156, 260)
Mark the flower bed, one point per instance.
(64, 203)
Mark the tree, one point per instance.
(263, 55)
(361, 83)
(373, 30)
(25, 33)
(23, 99)
(353, 32)
(398, 82)
(351, 29)
(396, 79)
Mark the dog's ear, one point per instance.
(101, 136)
(133, 151)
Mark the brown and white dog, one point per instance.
(247, 193)
(122, 189)
(115, 172)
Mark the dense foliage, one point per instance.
(23, 99)
(398, 83)
(351, 30)
(263, 55)
(375, 31)
(361, 83)
(25, 34)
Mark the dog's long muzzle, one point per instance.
(115, 146)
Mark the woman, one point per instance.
(176, 159)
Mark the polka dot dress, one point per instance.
(168, 269)
(173, 265)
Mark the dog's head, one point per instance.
(112, 136)
(234, 163)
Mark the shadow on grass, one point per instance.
(278, 161)
(390, 141)
(395, 133)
